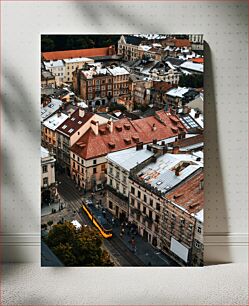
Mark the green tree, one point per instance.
(78, 247)
(191, 80)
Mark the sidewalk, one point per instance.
(144, 251)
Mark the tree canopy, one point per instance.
(191, 80)
(73, 42)
(78, 247)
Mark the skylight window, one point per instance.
(73, 119)
(71, 130)
(79, 122)
(64, 126)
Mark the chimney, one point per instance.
(59, 114)
(154, 127)
(175, 150)
(81, 112)
(139, 146)
(197, 114)
(95, 127)
(154, 141)
(186, 109)
(110, 126)
(177, 171)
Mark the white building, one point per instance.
(48, 184)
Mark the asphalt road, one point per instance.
(119, 252)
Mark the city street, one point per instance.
(120, 249)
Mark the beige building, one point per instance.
(128, 47)
(71, 64)
(69, 132)
(48, 184)
(48, 130)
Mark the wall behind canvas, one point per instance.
(224, 25)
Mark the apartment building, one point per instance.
(48, 184)
(48, 130)
(117, 136)
(128, 47)
(149, 185)
(70, 131)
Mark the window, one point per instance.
(173, 216)
(111, 170)
(111, 182)
(103, 81)
(73, 155)
(117, 187)
(145, 198)
(151, 202)
(132, 202)
(94, 170)
(90, 89)
(138, 194)
(78, 159)
(44, 169)
(73, 164)
(97, 82)
(197, 244)
(150, 214)
(95, 161)
(89, 83)
(139, 205)
(199, 229)
(45, 181)
(82, 162)
(124, 190)
(182, 221)
(102, 167)
(158, 206)
(144, 210)
(157, 219)
(132, 190)
(110, 205)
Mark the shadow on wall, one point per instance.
(215, 198)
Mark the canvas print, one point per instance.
(122, 144)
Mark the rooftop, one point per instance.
(117, 71)
(55, 63)
(163, 175)
(72, 124)
(77, 60)
(129, 158)
(55, 121)
(190, 195)
(50, 109)
(177, 92)
(126, 133)
(93, 52)
(189, 65)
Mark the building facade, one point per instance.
(48, 184)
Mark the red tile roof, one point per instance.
(189, 141)
(93, 52)
(73, 123)
(180, 42)
(164, 86)
(198, 60)
(127, 133)
(189, 195)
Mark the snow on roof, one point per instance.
(160, 174)
(200, 215)
(52, 64)
(144, 47)
(117, 71)
(95, 71)
(54, 121)
(192, 66)
(50, 109)
(177, 92)
(82, 104)
(77, 60)
(156, 45)
(199, 120)
(129, 158)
